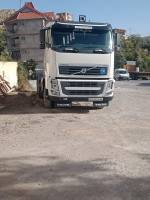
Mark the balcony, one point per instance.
(12, 29)
(15, 46)
(16, 55)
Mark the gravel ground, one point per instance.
(78, 153)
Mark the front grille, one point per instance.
(82, 88)
(82, 92)
(80, 84)
(81, 70)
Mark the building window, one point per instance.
(21, 24)
(23, 51)
(15, 42)
(23, 38)
(13, 28)
(16, 55)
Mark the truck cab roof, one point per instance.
(73, 24)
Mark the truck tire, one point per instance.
(100, 107)
(40, 93)
(47, 102)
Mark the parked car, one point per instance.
(121, 74)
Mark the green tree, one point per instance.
(30, 65)
(147, 60)
(22, 76)
(137, 49)
(119, 60)
(4, 54)
(137, 41)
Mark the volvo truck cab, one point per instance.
(78, 63)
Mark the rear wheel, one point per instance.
(47, 102)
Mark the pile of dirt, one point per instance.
(22, 101)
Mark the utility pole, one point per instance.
(20, 3)
(130, 31)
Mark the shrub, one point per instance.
(23, 83)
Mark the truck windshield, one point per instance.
(81, 40)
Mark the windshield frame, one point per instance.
(91, 34)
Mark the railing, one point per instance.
(13, 31)
(15, 45)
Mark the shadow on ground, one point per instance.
(52, 178)
(145, 84)
(28, 103)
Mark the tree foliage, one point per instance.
(24, 73)
(30, 65)
(135, 48)
(119, 59)
(4, 54)
(22, 77)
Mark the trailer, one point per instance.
(139, 75)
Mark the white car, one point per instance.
(121, 74)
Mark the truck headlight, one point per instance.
(54, 87)
(109, 87)
(54, 83)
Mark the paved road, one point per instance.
(78, 153)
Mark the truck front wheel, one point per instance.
(40, 93)
(47, 102)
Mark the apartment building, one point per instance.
(23, 32)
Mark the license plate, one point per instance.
(63, 105)
(95, 99)
(98, 104)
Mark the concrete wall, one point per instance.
(36, 54)
(30, 41)
(29, 26)
(23, 27)
(8, 70)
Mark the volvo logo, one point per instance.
(83, 70)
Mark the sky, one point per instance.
(131, 15)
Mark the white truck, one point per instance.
(78, 64)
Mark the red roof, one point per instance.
(50, 15)
(29, 5)
(28, 14)
(28, 11)
(120, 31)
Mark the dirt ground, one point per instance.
(77, 153)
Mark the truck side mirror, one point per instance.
(42, 39)
(116, 39)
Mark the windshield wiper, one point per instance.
(71, 49)
(100, 51)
